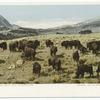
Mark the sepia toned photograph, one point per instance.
(49, 44)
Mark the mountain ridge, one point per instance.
(4, 22)
(91, 24)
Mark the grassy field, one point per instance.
(12, 74)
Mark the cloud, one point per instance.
(46, 23)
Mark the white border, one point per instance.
(49, 2)
(50, 90)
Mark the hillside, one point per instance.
(9, 31)
(4, 22)
(92, 24)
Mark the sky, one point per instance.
(47, 16)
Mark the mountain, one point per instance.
(92, 24)
(4, 22)
(10, 31)
(15, 26)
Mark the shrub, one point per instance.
(32, 78)
(56, 79)
(2, 61)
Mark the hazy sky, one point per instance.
(40, 16)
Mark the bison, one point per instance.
(49, 43)
(55, 62)
(29, 53)
(53, 50)
(13, 46)
(70, 44)
(81, 69)
(83, 49)
(76, 56)
(33, 44)
(36, 68)
(21, 45)
(65, 44)
(75, 43)
(3, 45)
(36, 44)
(94, 46)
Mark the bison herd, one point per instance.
(28, 50)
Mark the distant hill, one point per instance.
(9, 31)
(93, 25)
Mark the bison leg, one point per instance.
(38, 73)
(91, 74)
(82, 75)
(77, 75)
(94, 51)
(53, 66)
(97, 74)
(51, 53)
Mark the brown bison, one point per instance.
(21, 45)
(76, 56)
(55, 62)
(53, 50)
(71, 44)
(13, 46)
(82, 69)
(83, 49)
(75, 43)
(36, 44)
(36, 68)
(49, 43)
(29, 53)
(33, 44)
(3, 45)
(94, 46)
(65, 44)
